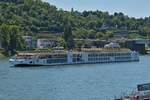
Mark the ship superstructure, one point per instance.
(82, 56)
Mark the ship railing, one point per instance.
(106, 50)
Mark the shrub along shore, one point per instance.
(2, 56)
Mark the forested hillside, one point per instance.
(35, 16)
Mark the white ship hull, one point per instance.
(77, 58)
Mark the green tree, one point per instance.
(5, 38)
(36, 16)
(99, 35)
(11, 39)
(68, 37)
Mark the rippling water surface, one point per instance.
(72, 82)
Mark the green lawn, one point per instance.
(1, 55)
(148, 52)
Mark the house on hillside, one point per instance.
(29, 41)
(104, 27)
(46, 43)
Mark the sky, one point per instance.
(132, 8)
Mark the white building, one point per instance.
(112, 45)
(104, 27)
(46, 43)
(28, 41)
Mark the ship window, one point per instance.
(77, 57)
(57, 60)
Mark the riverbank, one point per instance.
(2, 56)
(148, 52)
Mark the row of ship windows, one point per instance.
(57, 61)
(122, 58)
(111, 54)
(89, 59)
(77, 59)
(50, 57)
(107, 58)
(95, 59)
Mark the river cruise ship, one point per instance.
(110, 53)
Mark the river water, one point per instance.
(72, 82)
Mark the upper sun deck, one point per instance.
(106, 50)
(65, 52)
(32, 53)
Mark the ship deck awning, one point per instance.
(40, 53)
